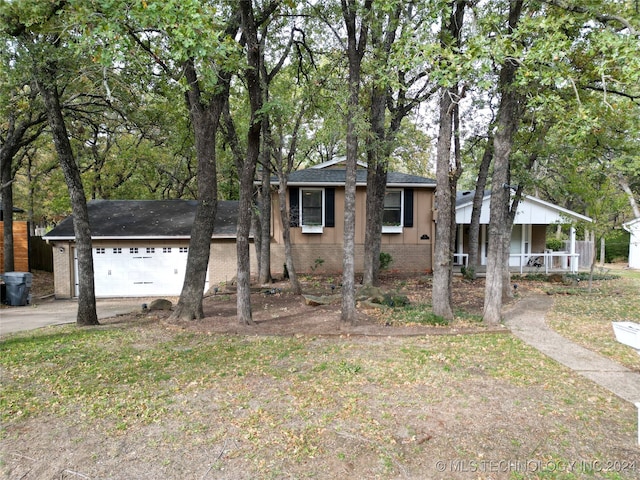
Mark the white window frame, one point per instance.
(395, 228)
(311, 228)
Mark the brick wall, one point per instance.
(405, 258)
(62, 270)
(223, 261)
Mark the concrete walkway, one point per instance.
(527, 322)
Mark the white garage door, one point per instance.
(139, 271)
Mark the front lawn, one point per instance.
(138, 399)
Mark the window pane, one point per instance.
(311, 207)
(392, 208)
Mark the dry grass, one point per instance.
(137, 398)
(586, 317)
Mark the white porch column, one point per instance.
(483, 244)
(460, 248)
(572, 249)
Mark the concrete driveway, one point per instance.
(42, 313)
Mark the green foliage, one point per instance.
(395, 300)
(569, 277)
(617, 245)
(317, 263)
(415, 314)
(468, 273)
(555, 244)
(385, 260)
(571, 63)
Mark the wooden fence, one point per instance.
(20, 247)
(40, 254)
(585, 249)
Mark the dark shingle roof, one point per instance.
(466, 196)
(330, 176)
(147, 219)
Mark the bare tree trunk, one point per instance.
(264, 264)
(507, 292)
(246, 169)
(284, 169)
(380, 145)
(447, 174)
(355, 52)
(624, 183)
(478, 196)
(285, 217)
(349, 313)
(6, 181)
(15, 138)
(86, 296)
(376, 184)
(242, 240)
(499, 226)
(445, 204)
(205, 118)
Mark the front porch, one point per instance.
(528, 245)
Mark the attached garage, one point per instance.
(136, 271)
(140, 248)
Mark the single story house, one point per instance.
(316, 203)
(528, 236)
(633, 227)
(140, 247)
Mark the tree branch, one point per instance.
(601, 17)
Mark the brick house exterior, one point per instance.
(316, 206)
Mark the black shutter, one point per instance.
(294, 207)
(408, 207)
(329, 207)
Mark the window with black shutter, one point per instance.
(294, 207)
(408, 207)
(329, 207)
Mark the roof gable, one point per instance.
(136, 219)
(337, 162)
(632, 225)
(531, 210)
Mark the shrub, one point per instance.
(468, 273)
(617, 246)
(385, 260)
(395, 300)
(317, 263)
(555, 244)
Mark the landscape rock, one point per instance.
(160, 304)
(315, 301)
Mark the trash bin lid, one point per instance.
(13, 278)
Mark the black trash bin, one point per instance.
(18, 286)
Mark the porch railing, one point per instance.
(461, 259)
(566, 261)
